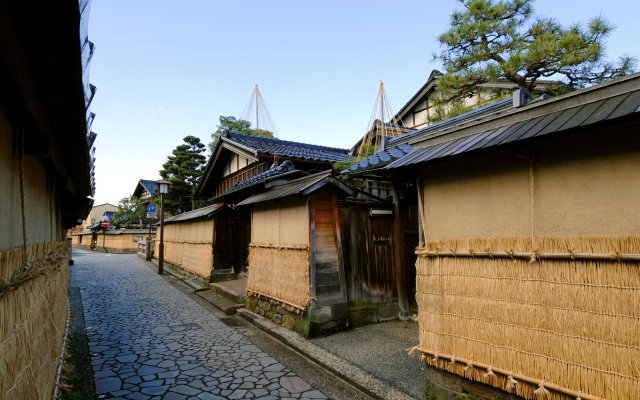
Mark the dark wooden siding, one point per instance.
(222, 255)
(368, 254)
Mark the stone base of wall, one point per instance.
(315, 321)
(443, 385)
(197, 279)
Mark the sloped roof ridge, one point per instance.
(231, 135)
(311, 177)
(487, 110)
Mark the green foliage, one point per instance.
(365, 151)
(456, 107)
(231, 124)
(130, 211)
(183, 169)
(493, 40)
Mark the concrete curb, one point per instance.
(342, 368)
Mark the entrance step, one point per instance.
(222, 276)
(227, 306)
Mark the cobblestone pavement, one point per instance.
(149, 341)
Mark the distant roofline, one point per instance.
(289, 142)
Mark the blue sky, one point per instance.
(167, 69)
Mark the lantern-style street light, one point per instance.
(163, 188)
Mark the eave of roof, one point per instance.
(301, 187)
(431, 81)
(582, 108)
(285, 169)
(204, 212)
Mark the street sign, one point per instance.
(105, 223)
(151, 208)
(151, 214)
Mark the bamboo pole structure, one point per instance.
(533, 255)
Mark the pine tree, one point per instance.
(183, 169)
(492, 40)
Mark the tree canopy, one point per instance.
(491, 40)
(231, 124)
(130, 211)
(183, 169)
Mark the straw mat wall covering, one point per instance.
(573, 323)
(189, 246)
(33, 305)
(280, 273)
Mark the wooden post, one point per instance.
(161, 248)
(398, 253)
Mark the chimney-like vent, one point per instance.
(521, 97)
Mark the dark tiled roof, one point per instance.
(300, 186)
(284, 169)
(204, 212)
(150, 186)
(551, 118)
(380, 159)
(286, 148)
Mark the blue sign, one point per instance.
(151, 208)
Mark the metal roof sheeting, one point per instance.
(204, 212)
(554, 122)
(296, 187)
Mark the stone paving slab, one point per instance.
(149, 341)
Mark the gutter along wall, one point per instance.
(568, 322)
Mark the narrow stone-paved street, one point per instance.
(150, 341)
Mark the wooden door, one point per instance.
(327, 274)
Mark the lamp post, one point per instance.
(163, 188)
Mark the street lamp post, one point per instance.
(163, 188)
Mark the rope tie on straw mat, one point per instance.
(489, 372)
(579, 393)
(488, 250)
(542, 392)
(616, 255)
(511, 383)
(469, 366)
(435, 358)
(452, 363)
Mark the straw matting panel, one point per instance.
(123, 241)
(193, 257)
(280, 272)
(572, 323)
(32, 318)
(188, 245)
